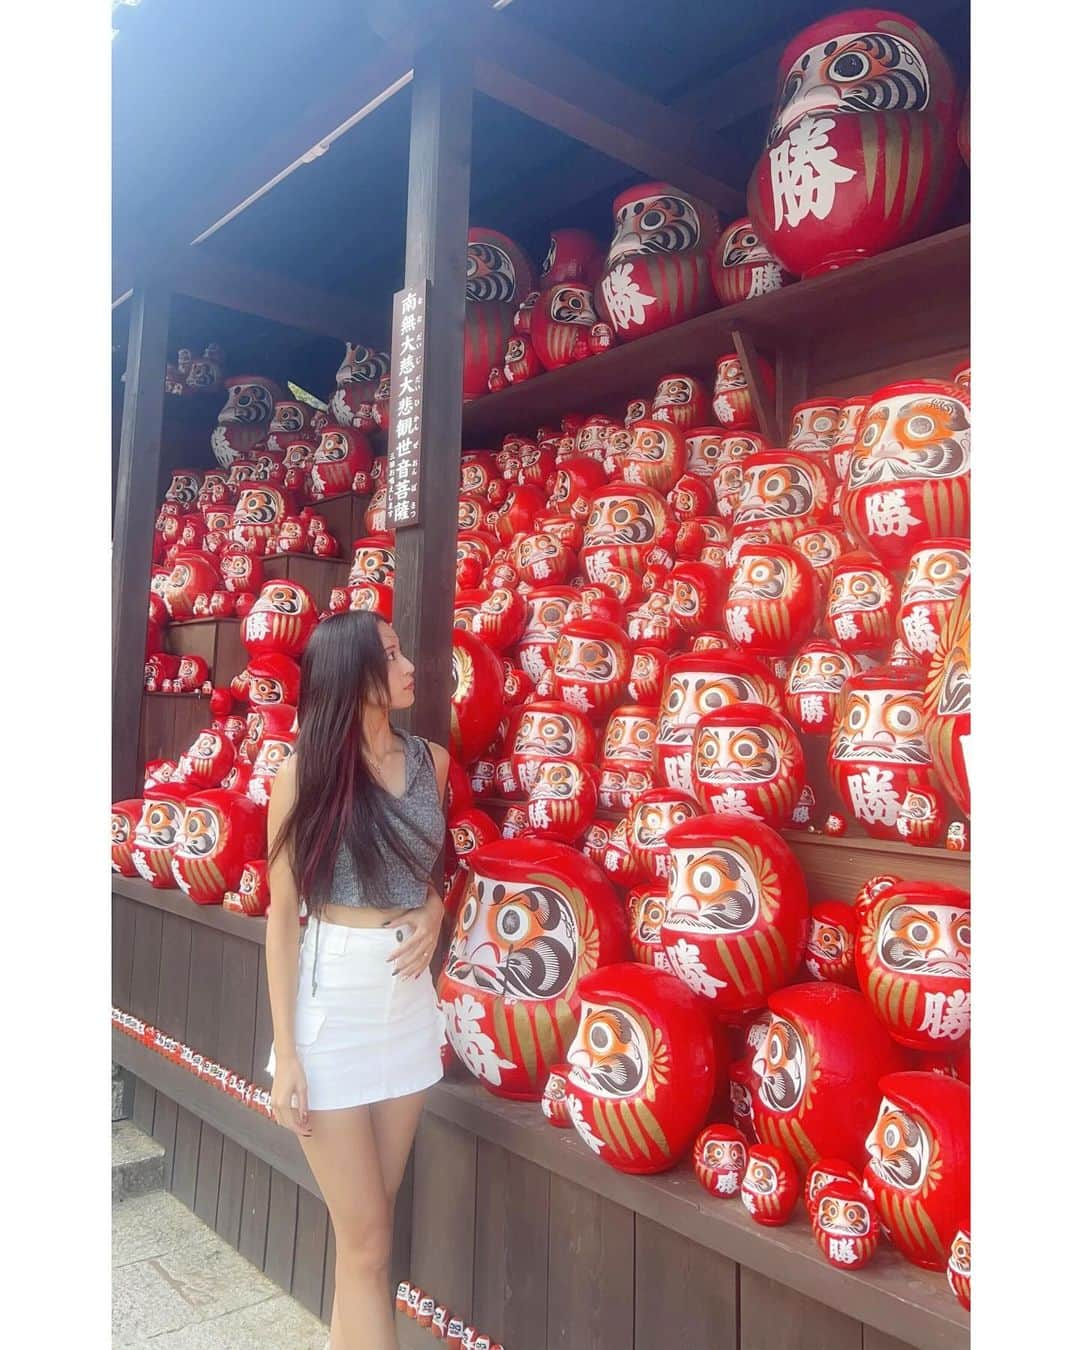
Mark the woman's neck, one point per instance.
(378, 733)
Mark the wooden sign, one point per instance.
(407, 371)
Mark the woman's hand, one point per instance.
(290, 1086)
(414, 955)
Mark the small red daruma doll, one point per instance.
(221, 831)
(562, 800)
(651, 816)
(909, 477)
(747, 759)
(743, 267)
(645, 905)
(657, 268)
(935, 577)
(958, 1271)
(860, 613)
(252, 893)
(125, 821)
(207, 760)
(825, 1172)
(814, 681)
(549, 729)
(681, 400)
(732, 405)
(642, 1068)
(846, 1225)
(342, 463)
(401, 1298)
(770, 609)
(498, 277)
(737, 912)
(830, 949)
(656, 456)
(720, 1160)
(920, 1160)
(770, 1185)
(592, 666)
(914, 963)
(553, 1102)
(782, 493)
(878, 753)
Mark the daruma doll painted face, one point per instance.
(914, 963)
(919, 1167)
(770, 608)
(818, 1069)
(657, 268)
(959, 1269)
(814, 681)
(652, 815)
(158, 833)
(626, 521)
(830, 951)
(860, 611)
(747, 758)
(720, 1159)
(645, 905)
(592, 666)
(878, 751)
(861, 153)
(782, 493)
(281, 620)
(743, 267)
(824, 1173)
(656, 456)
(535, 917)
(497, 278)
(563, 799)
(125, 821)
(846, 1226)
(909, 476)
(737, 912)
(549, 729)
(642, 1067)
(935, 577)
(770, 1185)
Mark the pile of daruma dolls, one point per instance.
(652, 616)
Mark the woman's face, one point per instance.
(399, 669)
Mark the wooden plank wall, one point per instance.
(540, 1263)
(208, 989)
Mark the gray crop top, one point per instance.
(418, 816)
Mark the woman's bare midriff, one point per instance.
(362, 916)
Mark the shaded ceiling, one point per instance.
(197, 85)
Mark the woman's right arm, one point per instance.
(289, 1095)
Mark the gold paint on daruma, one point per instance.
(502, 1030)
(894, 153)
(614, 1126)
(729, 965)
(629, 1120)
(546, 1038)
(652, 1127)
(755, 969)
(527, 1045)
(869, 128)
(762, 942)
(916, 133)
(911, 1002)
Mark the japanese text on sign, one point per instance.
(406, 401)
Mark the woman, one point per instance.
(356, 825)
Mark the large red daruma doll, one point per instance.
(913, 959)
(919, 1172)
(878, 752)
(771, 602)
(281, 620)
(497, 278)
(535, 918)
(818, 1070)
(748, 759)
(909, 475)
(737, 912)
(221, 831)
(476, 703)
(657, 269)
(861, 153)
(947, 701)
(158, 833)
(642, 1068)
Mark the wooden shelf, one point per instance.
(936, 267)
(915, 1306)
(174, 901)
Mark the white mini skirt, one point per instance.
(363, 1034)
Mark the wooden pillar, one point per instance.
(133, 523)
(437, 224)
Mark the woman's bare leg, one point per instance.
(342, 1154)
(394, 1124)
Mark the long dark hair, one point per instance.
(339, 804)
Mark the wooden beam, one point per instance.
(133, 526)
(437, 225)
(764, 406)
(552, 85)
(267, 295)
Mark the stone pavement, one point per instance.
(178, 1286)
